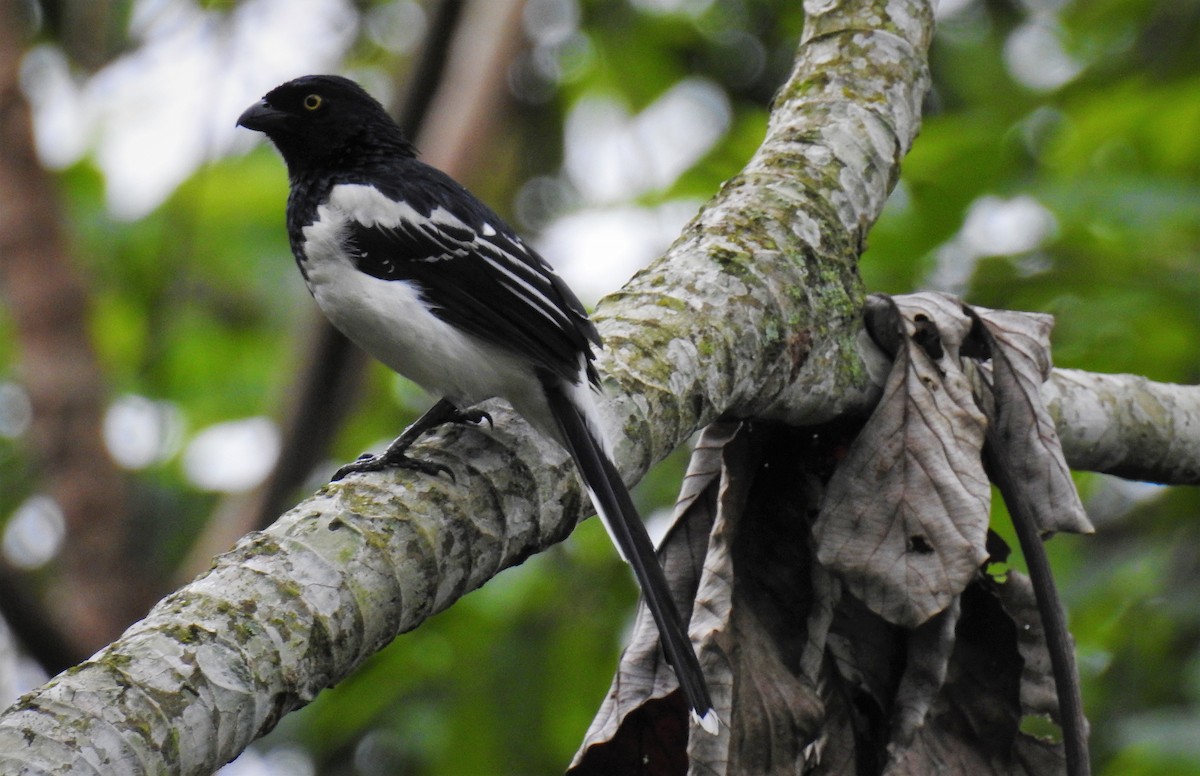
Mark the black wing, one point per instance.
(476, 273)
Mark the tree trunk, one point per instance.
(95, 595)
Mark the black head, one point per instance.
(323, 120)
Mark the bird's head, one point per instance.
(322, 120)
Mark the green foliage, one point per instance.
(1107, 154)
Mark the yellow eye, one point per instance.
(312, 102)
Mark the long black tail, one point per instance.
(616, 509)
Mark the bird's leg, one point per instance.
(395, 456)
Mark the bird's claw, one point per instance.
(475, 417)
(394, 457)
(374, 463)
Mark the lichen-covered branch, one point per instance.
(754, 310)
(1127, 425)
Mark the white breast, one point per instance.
(389, 320)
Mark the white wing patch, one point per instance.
(390, 320)
(371, 207)
(393, 318)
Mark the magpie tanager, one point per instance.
(423, 276)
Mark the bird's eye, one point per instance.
(312, 102)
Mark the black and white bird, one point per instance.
(426, 278)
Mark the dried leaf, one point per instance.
(1039, 694)
(749, 619)
(778, 717)
(827, 592)
(704, 468)
(944, 312)
(866, 651)
(808, 680)
(1020, 353)
(928, 656)
(973, 724)
(642, 726)
(905, 516)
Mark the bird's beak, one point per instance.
(261, 117)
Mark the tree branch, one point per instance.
(1127, 425)
(753, 312)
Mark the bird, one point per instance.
(426, 278)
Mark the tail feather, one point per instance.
(615, 508)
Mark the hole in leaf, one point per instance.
(997, 571)
(928, 337)
(1041, 727)
(919, 544)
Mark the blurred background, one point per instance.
(166, 385)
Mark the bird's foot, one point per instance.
(395, 457)
(391, 460)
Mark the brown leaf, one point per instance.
(826, 592)
(778, 716)
(1039, 695)
(905, 516)
(642, 726)
(973, 724)
(704, 469)
(751, 608)
(944, 312)
(928, 656)
(1019, 344)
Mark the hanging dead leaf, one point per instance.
(1039, 695)
(749, 618)
(778, 716)
(973, 725)
(704, 470)
(1019, 345)
(905, 516)
(929, 665)
(927, 658)
(642, 726)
